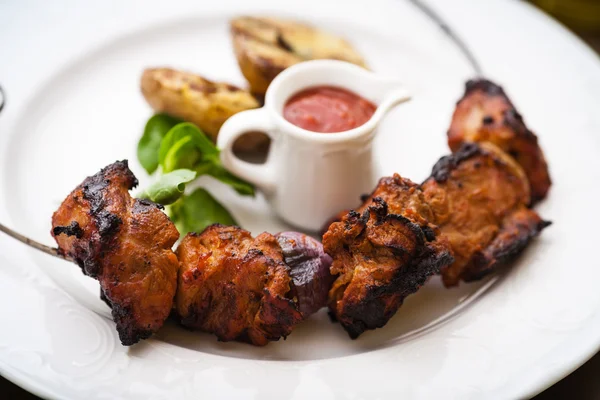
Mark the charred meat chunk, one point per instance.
(474, 194)
(125, 244)
(380, 256)
(236, 286)
(486, 114)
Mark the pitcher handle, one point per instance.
(261, 175)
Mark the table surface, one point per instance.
(582, 384)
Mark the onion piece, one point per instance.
(309, 266)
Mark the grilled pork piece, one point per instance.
(240, 288)
(479, 196)
(465, 221)
(485, 114)
(125, 244)
(380, 257)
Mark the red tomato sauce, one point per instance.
(327, 109)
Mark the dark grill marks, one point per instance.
(511, 241)
(108, 224)
(429, 233)
(105, 299)
(484, 85)
(412, 247)
(128, 332)
(94, 192)
(141, 206)
(73, 229)
(370, 313)
(380, 209)
(511, 116)
(514, 121)
(442, 169)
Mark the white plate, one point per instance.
(71, 75)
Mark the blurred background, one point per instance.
(583, 18)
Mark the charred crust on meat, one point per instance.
(108, 224)
(443, 168)
(512, 114)
(94, 192)
(142, 205)
(379, 209)
(243, 337)
(509, 131)
(484, 85)
(511, 117)
(73, 229)
(371, 312)
(514, 121)
(332, 316)
(353, 217)
(414, 266)
(543, 224)
(105, 299)
(128, 333)
(484, 263)
(429, 233)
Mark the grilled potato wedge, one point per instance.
(200, 101)
(266, 46)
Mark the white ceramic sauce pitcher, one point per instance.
(309, 177)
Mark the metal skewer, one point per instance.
(21, 238)
(32, 243)
(462, 46)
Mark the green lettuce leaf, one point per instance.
(198, 210)
(148, 147)
(169, 187)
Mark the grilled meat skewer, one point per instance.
(225, 282)
(466, 220)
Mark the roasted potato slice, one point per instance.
(200, 101)
(266, 46)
